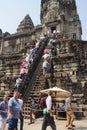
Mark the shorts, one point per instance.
(12, 123)
(70, 115)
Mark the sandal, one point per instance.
(73, 125)
(70, 128)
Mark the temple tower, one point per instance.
(61, 15)
(26, 24)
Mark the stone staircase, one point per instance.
(10, 84)
(37, 83)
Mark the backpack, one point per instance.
(43, 102)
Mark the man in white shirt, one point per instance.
(21, 116)
(18, 83)
(48, 118)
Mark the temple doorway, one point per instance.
(53, 28)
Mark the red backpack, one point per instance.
(43, 102)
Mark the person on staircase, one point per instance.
(18, 83)
(45, 66)
(23, 72)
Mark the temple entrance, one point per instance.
(53, 28)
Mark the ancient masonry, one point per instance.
(70, 63)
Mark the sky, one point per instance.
(12, 12)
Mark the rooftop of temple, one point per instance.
(26, 24)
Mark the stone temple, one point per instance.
(69, 63)
(61, 15)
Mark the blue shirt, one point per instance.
(3, 107)
(14, 103)
(33, 104)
